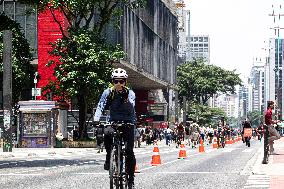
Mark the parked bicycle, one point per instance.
(117, 172)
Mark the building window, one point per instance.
(191, 39)
(205, 39)
(200, 39)
(205, 49)
(195, 39)
(195, 45)
(28, 22)
(205, 45)
(200, 45)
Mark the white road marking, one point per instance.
(195, 172)
(15, 174)
(91, 173)
(168, 162)
(247, 150)
(228, 149)
(258, 181)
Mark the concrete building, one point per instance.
(243, 101)
(256, 85)
(200, 47)
(183, 30)
(148, 36)
(273, 75)
(229, 103)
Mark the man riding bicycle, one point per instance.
(121, 102)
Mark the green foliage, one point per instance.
(22, 70)
(85, 57)
(205, 115)
(255, 117)
(199, 81)
(80, 13)
(84, 66)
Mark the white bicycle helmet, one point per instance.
(119, 73)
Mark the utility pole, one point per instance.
(184, 110)
(7, 90)
(278, 67)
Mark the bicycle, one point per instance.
(266, 145)
(117, 172)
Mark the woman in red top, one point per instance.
(274, 135)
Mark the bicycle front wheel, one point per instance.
(114, 170)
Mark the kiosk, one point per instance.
(37, 123)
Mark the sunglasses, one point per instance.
(119, 81)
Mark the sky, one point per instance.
(239, 30)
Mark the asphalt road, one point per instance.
(216, 168)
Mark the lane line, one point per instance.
(14, 174)
(147, 168)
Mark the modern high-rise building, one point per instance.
(229, 103)
(273, 75)
(182, 15)
(243, 101)
(256, 85)
(200, 47)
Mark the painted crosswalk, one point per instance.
(258, 181)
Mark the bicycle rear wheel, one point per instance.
(114, 170)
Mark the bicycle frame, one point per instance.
(117, 172)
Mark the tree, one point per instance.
(255, 117)
(199, 81)
(85, 56)
(22, 70)
(205, 115)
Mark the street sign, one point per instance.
(36, 91)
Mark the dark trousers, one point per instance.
(128, 137)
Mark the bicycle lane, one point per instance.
(220, 168)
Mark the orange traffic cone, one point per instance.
(182, 152)
(215, 144)
(136, 169)
(227, 141)
(201, 146)
(231, 141)
(156, 160)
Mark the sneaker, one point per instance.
(131, 185)
(106, 166)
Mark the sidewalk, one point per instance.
(275, 168)
(43, 152)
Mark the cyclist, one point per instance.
(274, 135)
(121, 102)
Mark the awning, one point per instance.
(140, 79)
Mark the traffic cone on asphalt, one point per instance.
(227, 141)
(182, 152)
(201, 146)
(231, 141)
(136, 169)
(156, 160)
(215, 144)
